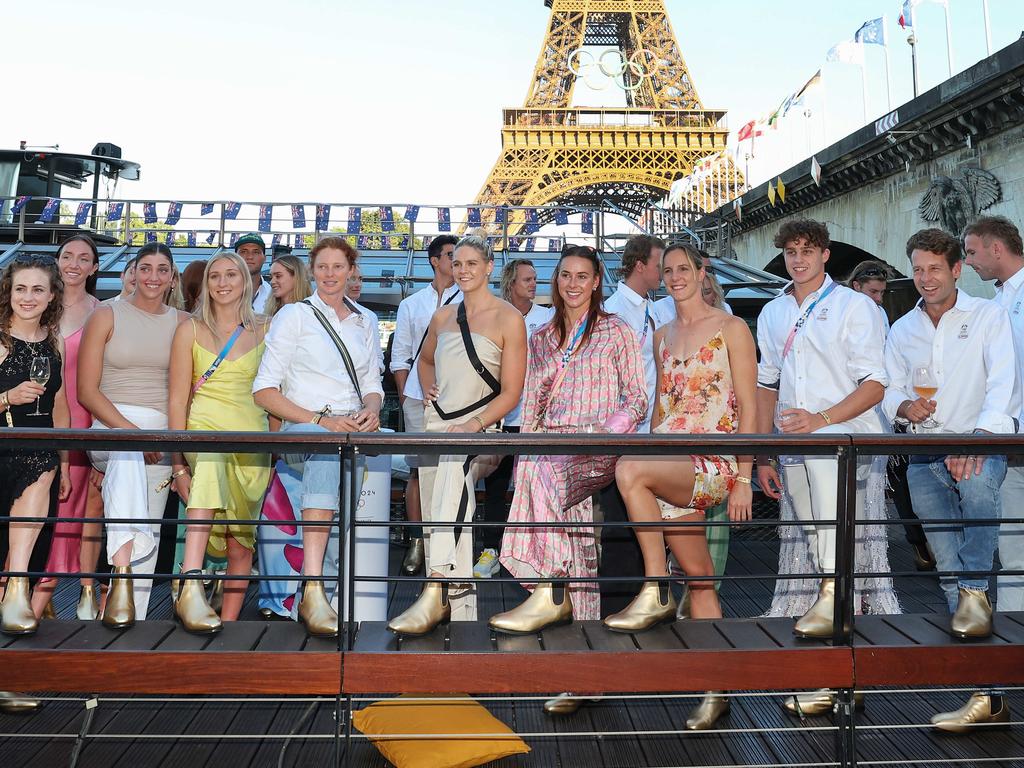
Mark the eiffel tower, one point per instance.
(553, 153)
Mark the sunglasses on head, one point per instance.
(871, 273)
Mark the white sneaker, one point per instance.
(487, 564)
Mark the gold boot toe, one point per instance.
(413, 560)
(18, 618)
(535, 613)
(430, 609)
(647, 610)
(86, 608)
(316, 613)
(711, 707)
(817, 622)
(119, 612)
(973, 617)
(192, 609)
(976, 712)
(563, 704)
(17, 704)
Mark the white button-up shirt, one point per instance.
(1010, 296)
(968, 354)
(840, 346)
(374, 321)
(534, 319)
(261, 297)
(639, 314)
(414, 315)
(665, 310)
(302, 361)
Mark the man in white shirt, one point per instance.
(822, 364)
(641, 275)
(963, 341)
(414, 315)
(994, 249)
(253, 251)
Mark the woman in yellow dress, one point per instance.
(214, 359)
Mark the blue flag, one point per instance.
(169, 237)
(300, 241)
(82, 214)
(234, 238)
(871, 32)
(51, 209)
(231, 210)
(149, 213)
(191, 239)
(473, 217)
(115, 211)
(266, 218)
(412, 212)
(513, 243)
(151, 236)
(323, 216)
(298, 217)
(587, 223)
(173, 214)
(362, 242)
(561, 217)
(501, 215)
(385, 242)
(20, 204)
(553, 246)
(444, 220)
(210, 238)
(405, 243)
(387, 219)
(531, 243)
(275, 241)
(531, 225)
(355, 220)
(205, 209)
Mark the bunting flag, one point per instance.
(191, 239)
(173, 214)
(404, 243)
(531, 243)
(771, 194)
(298, 241)
(500, 215)
(234, 239)
(412, 213)
(210, 238)
(115, 211)
(561, 217)
(846, 52)
(21, 202)
(323, 216)
(298, 217)
(149, 213)
(531, 225)
(169, 237)
(150, 236)
(737, 207)
(587, 223)
(266, 219)
(50, 210)
(553, 246)
(3, 206)
(275, 241)
(205, 209)
(444, 220)
(781, 189)
(82, 215)
(355, 220)
(816, 171)
(362, 242)
(513, 243)
(231, 210)
(387, 218)
(473, 217)
(385, 242)
(871, 32)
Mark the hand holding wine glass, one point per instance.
(781, 417)
(39, 373)
(925, 386)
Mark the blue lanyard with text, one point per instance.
(575, 340)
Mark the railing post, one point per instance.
(846, 535)
(342, 707)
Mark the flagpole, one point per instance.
(949, 38)
(864, 88)
(988, 28)
(888, 69)
(912, 42)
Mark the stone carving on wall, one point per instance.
(954, 202)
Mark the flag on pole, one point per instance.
(473, 217)
(587, 223)
(323, 216)
(771, 194)
(412, 213)
(173, 214)
(561, 216)
(149, 213)
(907, 15)
(816, 171)
(266, 219)
(404, 243)
(298, 217)
(115, 211)
(749, 131)
(444, 220)
(809, 87)
(871, 32)
(513, 243)
(210, 238)
(355, 220)
(231, 210)
(22, 201)
(205, 209)
(190, 239)
(387, 218)
(781, 188)
(275, 241)
(82, 214)
(846, 52)
(385, 242)
(50, 210)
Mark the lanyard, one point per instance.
(220, 359)
(647, 321)
(803, 319)
(575, 340)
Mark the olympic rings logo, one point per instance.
(612, 65)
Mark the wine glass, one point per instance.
(781, 407)
(39, 373)
(925, 386)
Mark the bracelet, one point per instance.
(483, 427)
(179, 473)
(742, 479)
(4, 401)
(826, 417)
(320, 414)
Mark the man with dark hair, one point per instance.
(414, 313)
(815, 233)
(253, 251)
(949, 373)
(994, 249)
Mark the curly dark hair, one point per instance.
(814, 232)
(50, 319)
(937, 241)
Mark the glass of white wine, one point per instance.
(39, 373)
(780, 408)
(925, 386)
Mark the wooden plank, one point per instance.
(660, 638)
(92, 637)
(780, 629)
(746, 634)
(317, 751)
(180, 640)
(875, 630)
(210, 719)
(567, 637)
(50, 634)
(469, 636)
(435, 642)
(144, 636)
(281, 636)
(374, 637)
(921, 630)
(175, 718)
(961, 664)
(941, 623)
(700, 634)
(237, 636)
(603, 639)
(127, 717)
(51, 717)
(253, 717)
(517, 643)
(323, 644)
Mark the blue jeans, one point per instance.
(959, 547)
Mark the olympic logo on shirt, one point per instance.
(613, 66)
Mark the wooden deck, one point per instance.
(138, 730)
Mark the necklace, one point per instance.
(75, 303)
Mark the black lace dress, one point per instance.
(21, 468)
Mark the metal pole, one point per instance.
(988, 28)
(220, 242)
(949, 39)
(842, 620)
(95, 195)
(912, 42)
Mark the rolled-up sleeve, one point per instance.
(864, 339)
(1000, 406)
(402, 350)
(898, 371)
(769, 368)
(280, 341)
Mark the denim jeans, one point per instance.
(959, 547)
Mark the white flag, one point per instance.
(816, 171)
(847, 52)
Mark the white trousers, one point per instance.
(811, 486)
(130, 491)
(1010, 589)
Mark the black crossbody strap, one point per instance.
(346, 358)
(482, 372)
(419, 349)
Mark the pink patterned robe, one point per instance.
(605, 379)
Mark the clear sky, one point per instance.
(397, 101)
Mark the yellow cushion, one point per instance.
(396, 716)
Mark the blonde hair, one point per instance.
(716, 288)
(303, 285)
(204, 310)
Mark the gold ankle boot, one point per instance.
(817, 622)
(86, 608)
(413, 560)
(17, 608)
(977, 711)
(430, 609)
(49, 612)
(16, 704)
(535, 613)
(119, 612)
(711, 707)
(315, 611)
(973, 617)
(193, 611)
(564, 704)
(819, 702)
(217, 593)
(646, 610)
